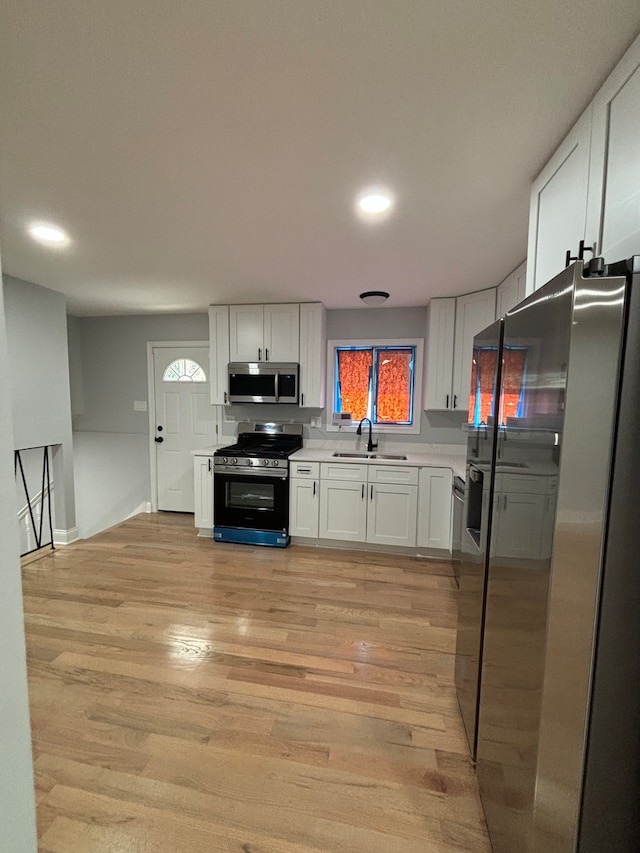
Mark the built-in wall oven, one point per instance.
(251, 485)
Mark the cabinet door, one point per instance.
(474, 313)
(434, 508)
(218, 353)
(557, 214)
(313, 354)
(505, 295)
(520, 519)
(281, 333)
(511, 291)
(438, 372)
(203, 491)
(303, 508)
(391, 516)
(246, 333)
(343, 510)
(613, 216)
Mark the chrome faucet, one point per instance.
(370, 445)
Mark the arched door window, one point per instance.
(184, 370)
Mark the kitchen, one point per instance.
(110, 440)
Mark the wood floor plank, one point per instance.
(194, 696)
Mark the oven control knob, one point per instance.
(248, 462)
(275, 463)
(234, 461)
(224, 460)
(265, 462)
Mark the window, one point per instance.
(377, 381)
(184, 370)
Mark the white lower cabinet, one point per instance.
(343, 510)
(520, 526)
(391, 505)
(434, 511)
(304, 505)
(391, 514)
(203, 491)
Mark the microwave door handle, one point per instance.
(277, 384)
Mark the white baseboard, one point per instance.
(66, 537)
(145, 506)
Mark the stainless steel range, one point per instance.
(251, 485)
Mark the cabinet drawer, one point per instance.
(393, 474)
(524, 484)
(305, 470)
(343, 471)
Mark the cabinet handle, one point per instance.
(362, 496)
(303, 470)
(302, 399)
(505, 503)
(582, 249)
(371, 492)
(447, 401)
(314, 488)
(455, 401)
(209, 464)
(259, 353)
(266, 355)
(225, 396)
(568, 258)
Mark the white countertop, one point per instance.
(208, 451)
(455, 461)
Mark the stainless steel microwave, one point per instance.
(263, 382)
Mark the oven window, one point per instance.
(248, 495)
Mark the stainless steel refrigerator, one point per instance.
(557, 735)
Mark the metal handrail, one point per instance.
(44, 493)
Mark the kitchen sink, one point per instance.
(369, 456)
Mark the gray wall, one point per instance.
(39, 382)
(111, 447)
(114, 365)
(17, 800)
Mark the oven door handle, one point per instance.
(265, 473)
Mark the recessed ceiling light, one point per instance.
(49, 234)
(374, 203)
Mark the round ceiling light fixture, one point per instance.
(374, 203)
(374, 298)
(50, 235)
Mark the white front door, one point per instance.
(185, 420)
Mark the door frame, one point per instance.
(151, 405)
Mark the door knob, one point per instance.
(159, 439)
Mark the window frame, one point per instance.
(385, 428)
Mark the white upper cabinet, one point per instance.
(474, 312)
(613, 215)
(558, 211)
(218, 353)
(313, 360)
(451, 327)
(590, 189)
(511, 291)
(438, 373)
(281, 333)
(264, 332)
(246, 333)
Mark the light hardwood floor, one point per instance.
(190, 697)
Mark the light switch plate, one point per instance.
(139, 405)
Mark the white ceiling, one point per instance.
(202, 151)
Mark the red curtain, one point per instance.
(354, 370)
(394, 385)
